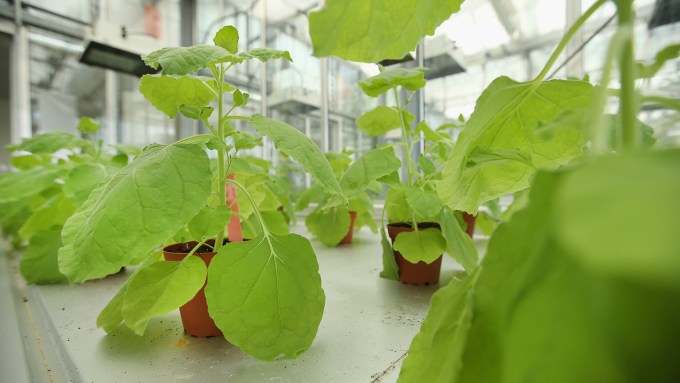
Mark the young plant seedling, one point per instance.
(264, 294)
(330, 222)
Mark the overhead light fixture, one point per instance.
(111, 47)
(442, 58)
(665, 12)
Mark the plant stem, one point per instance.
(221, 176)
(404, 139)
(628, 107)
(567, 36)
(252, 202)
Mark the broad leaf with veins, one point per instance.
(275, 300)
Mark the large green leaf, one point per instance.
(54, 212)
(135, 211)
(265, 295)
(668, 53)
(17, 186)
(369, 167)
(168, 93)
(459, 245)
(88, 126)
(437, 350)
(540, 307)
(48, 143)
(388, 79)
(425, 204)
(209, 221)
(396, 207)
(184, 60)
(82, 180)
(420, 245)
(301, 148)
(329, 226)
(370, 31)
(160, 288)
(507, 117)
(379, 120)
(39, 262)
(315, 193)
(646, 211)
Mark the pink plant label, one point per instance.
(234, 227)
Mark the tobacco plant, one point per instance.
(582, 284)
(264, 294)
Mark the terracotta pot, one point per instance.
(194, 313)
(470, 220)
(348, 238)
(419, 273)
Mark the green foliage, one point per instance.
(420, 245)
(169, 93)
(39, 262)
(329, 226)
(53, 212)
(668, 53)
(370, 31)
(91, 251)
(48, 143)
(587, 292)
(390, 268)
(275, 301)
(371, 166)
(88, 126)
(160, 288)
(227, 38)
(380, 120)
(423, 203)
(506, 123)
(389, 79)
(458, 244)
(184, 60)
(17, 186)
(208, 220)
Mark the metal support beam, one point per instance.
(20, 76)
(574, 67)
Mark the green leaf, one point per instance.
(88, 126)
(426, 165)
(379, 121)
(668, 53)
(129, 150)
(264, 55)
(391, 180)
(27, 183)
(39, 262)
(295, 144)
(535, 294)
(396, 207)
(209, 221)
(371, 166)
(196, 112)
(169, 93)
(227, 38)
(160, 288)
(482, 156)
(135, 211)
(485, 222)
(112, 314)
(275, 221)
(82, 180)
(459, 245)
(53, 212)
(27, 161)
(315, 193)
(329, 226)
(184, 60)
(390, 268)
(646, 211)
(240, 98)
(388, 79)
(430, 134)
(245, 140)
(274, 302)
(505, 120)
(370, 31)
(424, 203)
(437, 349)
(48, 143)
(420, 245)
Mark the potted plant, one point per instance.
(582, 283)
(332, 224)
(417, 223)
(56, 172)
(265, 294)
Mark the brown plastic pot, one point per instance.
(194, 313)
(348, 238)
(470, 220)
(420, 273)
